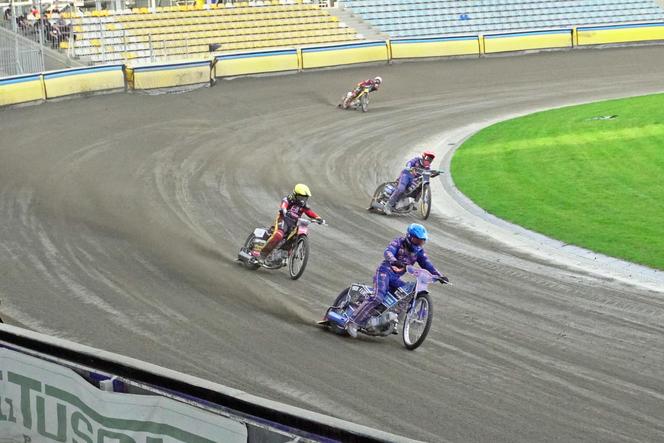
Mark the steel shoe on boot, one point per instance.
(351, 328)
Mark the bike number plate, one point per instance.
(390, 300)
(259, 232)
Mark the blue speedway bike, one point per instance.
(409, 305)
(416, 197)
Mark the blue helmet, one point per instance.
(416, 235)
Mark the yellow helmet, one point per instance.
(301, 189)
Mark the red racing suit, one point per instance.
(369, 83)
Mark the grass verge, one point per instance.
(576, 175)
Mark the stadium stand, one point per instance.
(416, 18)
(174, 32)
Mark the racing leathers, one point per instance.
(405, 178)
(371, 84)
(398, 254)
(290, 210)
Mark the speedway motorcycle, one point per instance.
(361, 102)
(292, 251)
(409, 304)
(417, 195)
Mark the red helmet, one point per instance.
(427, 158)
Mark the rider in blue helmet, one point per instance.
(401, 252)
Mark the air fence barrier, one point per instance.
(625, 33)
(35, 87)
(405, 48)
(525, 41)
(169, 75)
(54, 390)
(74, 81)
(257, 62)
(321, 56)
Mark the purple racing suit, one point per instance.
(407, 176)
(387, 279)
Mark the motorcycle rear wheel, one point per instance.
(425, 202)
(248, 247)
(297, 260)
(342, 300)
(419, 318)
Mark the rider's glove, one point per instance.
(443, 280)
(398, 264)
(320, 221)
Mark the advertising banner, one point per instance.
(43, 402)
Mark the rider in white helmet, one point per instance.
(372, 83)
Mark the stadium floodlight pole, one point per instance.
(15, 26)
(41, 35)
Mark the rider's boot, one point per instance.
(347, 100)
(387, 209)
(351, 328)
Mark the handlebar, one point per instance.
(429, 172)
(305, 221)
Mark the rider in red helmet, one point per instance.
(407, 175)
(372, 83)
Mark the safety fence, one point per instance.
(55, 390)
(19, 55)
(21, 88)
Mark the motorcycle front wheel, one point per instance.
(297, 260)
(364, 101)
(417, 322)
(425, 202)
(248, 247)
(375, 199)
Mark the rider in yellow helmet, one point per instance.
(291, 209)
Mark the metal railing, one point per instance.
(19, 55)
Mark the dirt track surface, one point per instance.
(122, 216)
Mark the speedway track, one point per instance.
(122, 216)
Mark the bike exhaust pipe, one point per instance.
(244, 255)
(337, 318)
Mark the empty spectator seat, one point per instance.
(415, 18)
(188, 31)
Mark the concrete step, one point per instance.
(356, 22)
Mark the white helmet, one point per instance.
(378, 80)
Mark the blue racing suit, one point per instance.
(386, 279)
(407, 176)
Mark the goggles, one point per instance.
(416, 241)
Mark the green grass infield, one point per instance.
(590, 175)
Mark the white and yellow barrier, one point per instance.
(598, 35)
(335, 55)
(523, 41)
(171, 74)
(229, 65)
(434, 47)
(41, 86)
(83, 80)
(21, 89)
